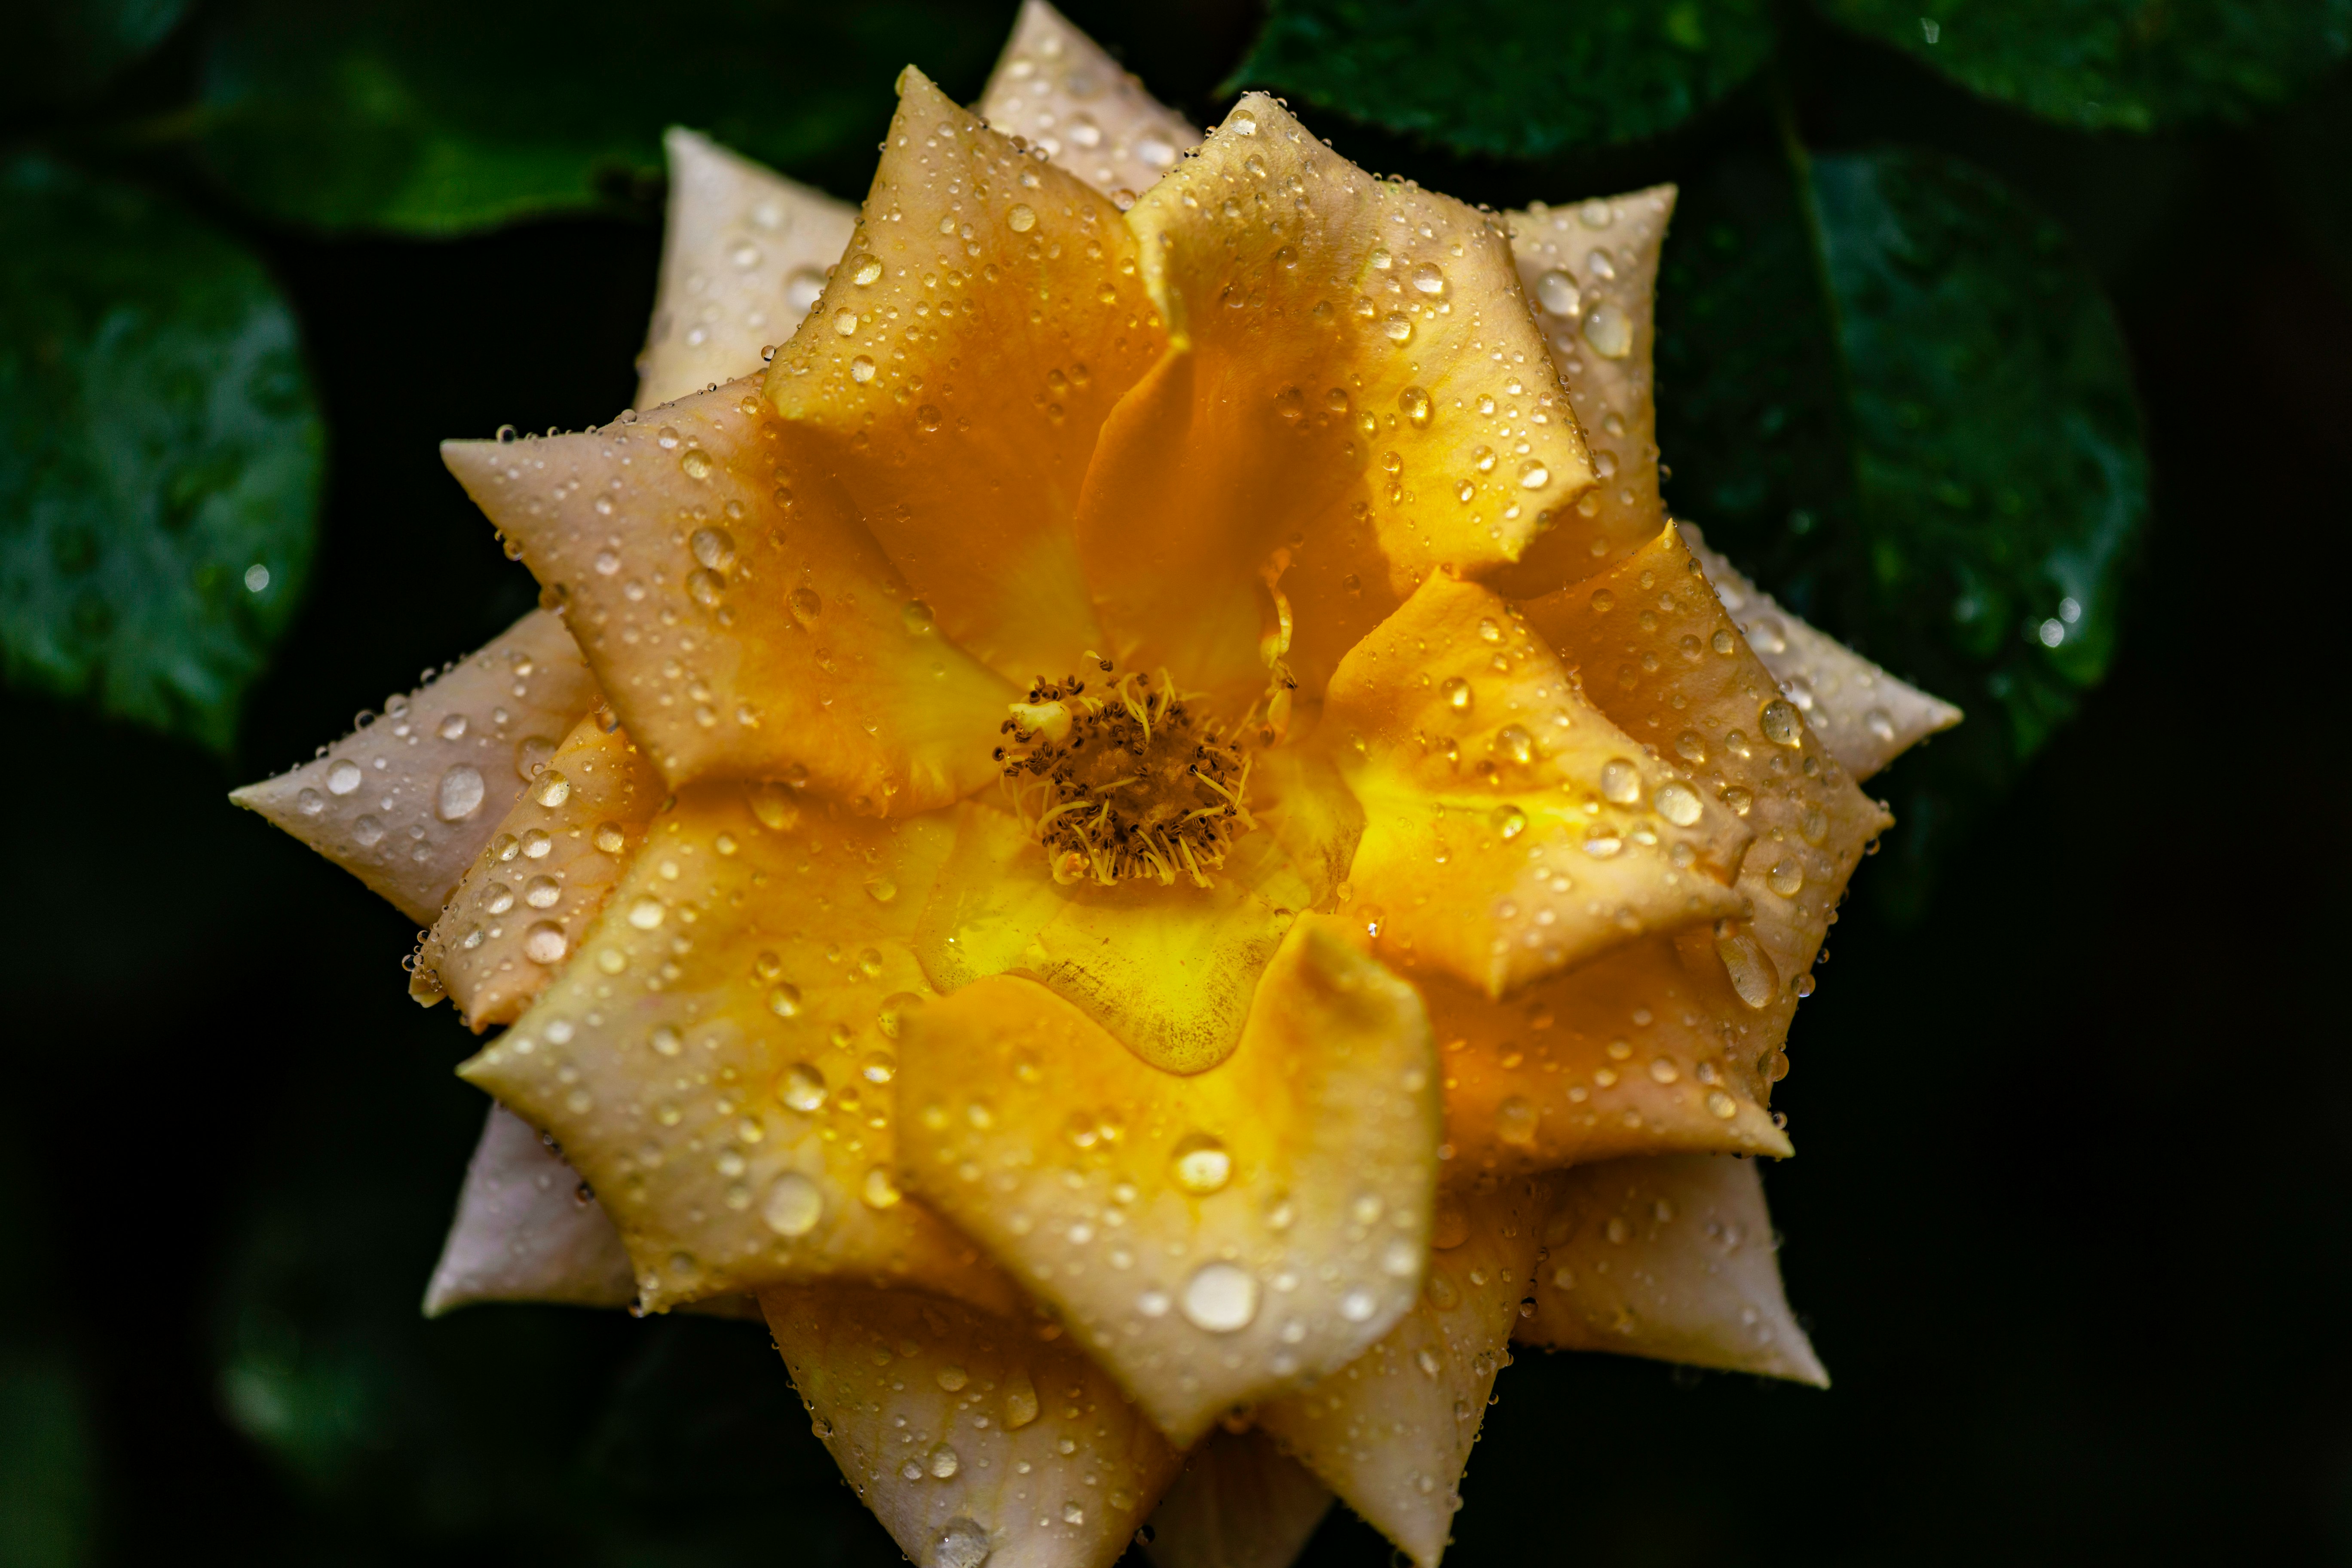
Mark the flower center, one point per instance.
(1125, 780)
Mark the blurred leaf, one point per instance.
(435, 117)
(159, 500)
(1898, 398)
(60, 48)
(49, 1501)
(1519, 79)
(2126, 65)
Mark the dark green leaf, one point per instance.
(1519, 79)
(1897, 396)
(434, 116)
(159, 498)
(2123, 64)
(60, 48)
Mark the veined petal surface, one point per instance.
(1353, 382)
(954, 375)
(971, 1437)
(1239, 1502)
(717, 1057)
(1511, 830)
(744, 252)
(1212, 1239)
(1670, 1257)
(742, 620)
(1057, 86)
(407, 802)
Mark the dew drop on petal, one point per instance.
(802, 1088)
(1557, 292)
(460, 794)
(1428, 279)
(553, 789)
(1221, 1297)
(846, 322)
(647, 913)
(1749, 967)
(1779, 723)
(1415, 405)
(1020, 1401)
(1787, 878)
(1020, 217)
(1201, 1165)
(545, 942)
(864, 271)
(344, 777)
(960, 1544)
(794, 1205)
(1609, 331)
(1533, 475)
(1621, 782)
(1457, 693)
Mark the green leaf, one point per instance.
(436, 116)
(1898, 398)
(159, 499)
(1519, 79)
(60, 47)
(2127, 65)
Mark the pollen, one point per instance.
(1126, 781)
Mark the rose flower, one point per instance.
(1148, 841)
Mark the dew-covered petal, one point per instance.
(742, 620)
(405, 802)
(956, 372)
(1239, 1502)
(528, 899)
(1354, 380)
(528, 1229)
(1170, 970)
(1056, 87)
(1645, 1051)
(716, 1058)
(744, 252)
(1511, 830)
(972, 1436)
(1670, 1257)
(1590, 271)
(1212, 1239)
(1391, 1431)
(1866, 717)
(1662, 659)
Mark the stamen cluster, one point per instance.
(1125, 782)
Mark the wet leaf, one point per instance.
(437, 117)
(1898, 396)
(1514, 78)
(2127, 65)
(158, 503)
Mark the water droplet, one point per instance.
(1779, 723)
(1428, 279)
(793, 1206)
(1415, 405)
(952, 1378)
(1750, 968)
(1786, 877)
(545, 942)
(1020, 1401)
(647, 913)
(802, 1086)
(1557, 292)
(805, 604)
(882, 889)
(1609, 331)
(943, 1462)
(705, 588)
(1201, 1165)
(1358, 1305)
(1621, 782)
(1514, 741)
(1678, 803)
(1814, 824)
(460, 794)
(1515, 1120)
(1457, 693)
(696, 462)
(1020, 217)
(1398, 328)
(1244, 123)
(1533, 475)
(453, 728)
(960, 1544)
(880, 1189)
(1221, 1297)
(553, 789)
(543, 892)
(864, 271)
(309, 802)
(774, 804)
(1507, 821)
(368, 831)
(846, 322)
(344, 777)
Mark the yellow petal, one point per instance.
(716, 1059)
(1591, 272)
(1711, 704)
(955, 374)
(1392, 1432)
(1057, 86)
(526, 1231)
(407, 801)
(1670, 1257)
(1645, 1050)
(743, 257)
(1167, 970)
(970, 1435)
(1212, 1239)
(529, 897)
(1349, 356)
(741, 619)
(1864, 716)
(1240, 1502)
(1511, 830)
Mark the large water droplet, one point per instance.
(961, 1543)
(460, 794)
(369, 831)
(802, 1088)
(1220, 1297)
(943, 1462)
(1414, 402)
(1779, 723)
(1020, 1401)
(1515, 1120)
(1428, 279)
(344, 777)
(545, 942)
(864, 271)
(553, 789)
(1609, 331)
(1557, 292)
(794, 1206)
(1750, 968)
(1457, 693)
(1786, 877)
(1201, 1165)
(1678, 803)
(1621, 782)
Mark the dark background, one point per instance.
(2069, 1226)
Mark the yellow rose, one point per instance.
(1150, 837)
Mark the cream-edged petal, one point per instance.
(954, 375)
(1355, 397)
(528, 1229)
(407, 802)
(1057, 86)
(528, 899)
(1511, 830)
(1590, 271)
(717, 1057)
(1866, 717)
(744, 254)
(973, 1438)
(1391, 1431)
(741, 618)
(1240, 1502)
(1212, 1239)
(1670, 1257)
